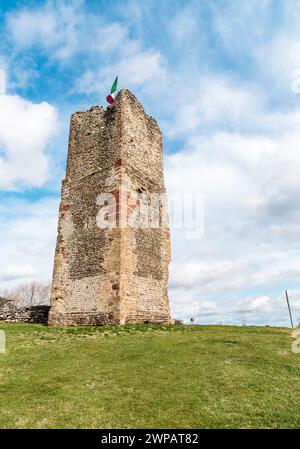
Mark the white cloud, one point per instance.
(271, 309)
(210, 275)
(27, 240)
(251, 34)
(185, 25)
(260, 304)
(184, 307)
(16, 272)
(278, 59)
(136, 67)
(254, 310)
(2, 82)
(205, 102)
(242, 26)
(51, 27)
(25, 130)
(63, 30)
(244, 158)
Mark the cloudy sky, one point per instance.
(223, 80)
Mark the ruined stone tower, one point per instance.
(112, 272)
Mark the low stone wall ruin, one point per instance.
(9, 313)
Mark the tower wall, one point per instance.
(117, 274)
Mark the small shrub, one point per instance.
(178, 322)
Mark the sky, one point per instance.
(222, 78)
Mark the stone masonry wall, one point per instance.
(118, 274)
(9, 313)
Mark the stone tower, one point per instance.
(107, 269)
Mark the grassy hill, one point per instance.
(149, 376)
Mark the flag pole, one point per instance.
(289, 307)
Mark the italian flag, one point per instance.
(111, 97)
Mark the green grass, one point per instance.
(149, 376)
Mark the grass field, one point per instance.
(149, 376)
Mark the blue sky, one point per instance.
(222, 79)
